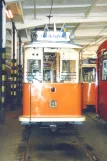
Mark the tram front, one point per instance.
(51, 87)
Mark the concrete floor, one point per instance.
(47, 146)
(94, 134)
(10, 136)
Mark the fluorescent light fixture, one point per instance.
(9, 14)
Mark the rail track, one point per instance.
(90, 156)
(89, 115)
(26, 153)
(88, 153)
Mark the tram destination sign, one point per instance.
(53, 36)
(89, 61)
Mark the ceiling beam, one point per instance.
(90, 8)
(9, 38)
(101, 5)
(23, 17)
(20, 5)
(10, 1)
(57, 6)
(33, 23)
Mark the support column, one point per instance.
(2, 59)
(19, 84)
(14, 69)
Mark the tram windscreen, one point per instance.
(88, 74)
(34, 70)
(49, 67)
(68, 70)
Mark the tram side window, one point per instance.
(68, 70)
(34, 70)
(104, 70)
(88, 74)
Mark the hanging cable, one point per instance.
(51, 7)
(98, 41)
(49, 16)
(94, 39)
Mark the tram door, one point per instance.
(89, 86)
(102, 86)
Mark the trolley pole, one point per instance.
(2, 58)
(19, 87)
(14, 70)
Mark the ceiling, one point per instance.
(85, 19)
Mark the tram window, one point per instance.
(49, 67)
(33, 70)
(46, 75)
(68, 70)
(104, 70)
(88, 74)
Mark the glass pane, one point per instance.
(104, 70)
(49, 67)
(34, 70)
(68, 70)
(88, 74)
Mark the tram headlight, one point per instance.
(53, 103)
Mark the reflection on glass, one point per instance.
(46, 75)
(89, 74)
(49, 67)
(104, 70)
(68, 70)
(33, 70)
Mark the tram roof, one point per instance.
(53, 44)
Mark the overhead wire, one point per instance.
(96, 37)
(98, 41)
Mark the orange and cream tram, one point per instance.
(51, 86)
(102, 81)
(89, 83)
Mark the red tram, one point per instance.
(51, 85)
(102, 81)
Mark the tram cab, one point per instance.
(89, 83)
(51, 85)
(101, 109)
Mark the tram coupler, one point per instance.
(53, 127)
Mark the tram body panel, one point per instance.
(101, 109)
(67, 97)
(26, 99)
(103, 100)
(89, 94)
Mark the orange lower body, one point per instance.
(38, 97)
(89, 94)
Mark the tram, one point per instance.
(89, 83)
(101, 109)
(51, 85)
